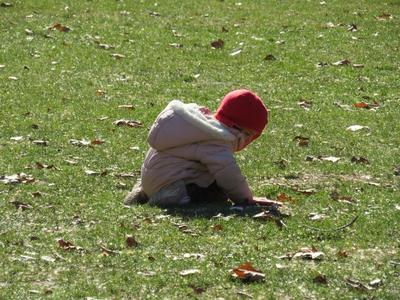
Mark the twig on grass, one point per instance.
(334, 229)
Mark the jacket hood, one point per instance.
(180, 124)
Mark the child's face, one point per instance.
(245, 137)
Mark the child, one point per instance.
(191, 152)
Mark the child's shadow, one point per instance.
(213, 209)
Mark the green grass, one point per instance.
(55, 98)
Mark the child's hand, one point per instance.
(264, 201)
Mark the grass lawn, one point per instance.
(70, 69)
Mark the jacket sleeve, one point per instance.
(222, 165)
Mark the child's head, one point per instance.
(243, 110)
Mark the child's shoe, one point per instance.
(136, 196)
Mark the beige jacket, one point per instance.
(187, 143)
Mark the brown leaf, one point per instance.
(66, 245)
(97, 142)
(36, 194)
(366, 105)
(20, 205)
(384, 17)
(59, 27)
(302, 141)
(100, 93)
(320, 279)
(218, 44)
(131, 242)
(282, 197)
(269, 57)
(217, 227)
(360, 160)
(129, 123)
(40, 166)
(247, 273)
(40, 142)
(343, 62)
(107, 252)
(342, 254)
(126, 106)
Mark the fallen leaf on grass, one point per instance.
(107, 252)
(235, 53)
(305, 253)
(189, 272)
(342, 254)
(282, 197)
(247, 273)
(366, 105)
(358, 285)
(269, 57)
(95, 173)
(343, 62)
(305, 104)
(20, 205)
(320, 279)
(66, 245)
(40, 142)
(126, 106)
(384, 17)
(375, 283)
(147, 273)
(105, 46)
(129, 123)
(354, 128)
(59, 27)
(131, 242)
(41, 166)
(17, 178)
(128, 175)
(117, 56)
(36, 194)
(6, 4)
(316, 216)
(17, 138)
(218, 44)
(302, 141)
(332, 159)
(48, 259)
(359, 160)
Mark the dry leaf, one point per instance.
(92, 173)
(358, 66)
(359, 160)
(218, 44)
(189, 272)
(355, 128)
(321, 279)
(342, 254)
(305, 104)
(40, 142)
(126, 106)
(147, 273)
(66, 245)
(41, 166)
(6, 4)
(107, 252)
(358, 285)
(129, 123)
(105, 46)
(117, 56)
(131, 242)
(384, 17)
(36, 194)
(17, 178)
(343, 62)
(235, 53)
(302, 141)
(282, 197)
(48, 259)
(217, 227)
(375, 283)
(17, 138)
(309, 254)
(247, 273)
(97, 142)
(330, 158)
(352, 28)
(269, 57)
(100, 93)
(59, 27)
(316, 216)
(20, 205)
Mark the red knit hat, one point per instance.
(244, 109)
